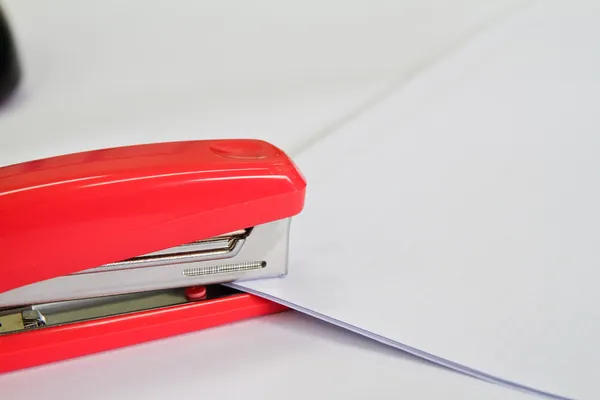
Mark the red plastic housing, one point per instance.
(74, 212)
(52, 344)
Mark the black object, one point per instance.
(10, 71)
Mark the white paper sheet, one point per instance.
(459, 220)
(287, 356)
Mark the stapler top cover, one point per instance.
(69, 213)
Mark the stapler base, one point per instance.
(61, 341)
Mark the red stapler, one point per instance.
(109, 248)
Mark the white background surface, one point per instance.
(109, 73)
(464, 209)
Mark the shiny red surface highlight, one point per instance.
(69, 213)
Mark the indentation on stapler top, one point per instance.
(241, 149)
